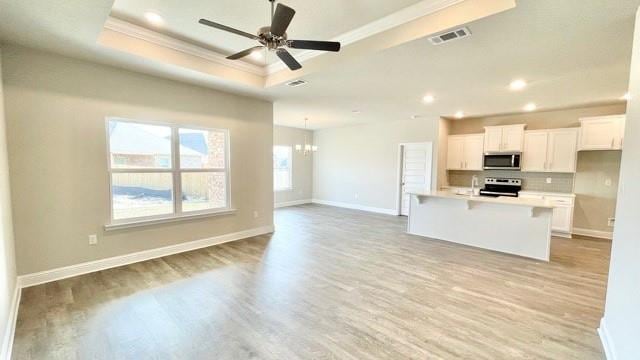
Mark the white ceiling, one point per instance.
(314, 20)
(572, 52)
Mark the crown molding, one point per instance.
(410, 13)
(154, 37)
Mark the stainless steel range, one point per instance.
(501, 187)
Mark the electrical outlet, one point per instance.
(255, 214)
(356, 195)
(549, 180)
(611, 222)
(607, 182)
(93, 239)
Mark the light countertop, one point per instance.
(518, 201)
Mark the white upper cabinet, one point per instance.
(465, 152)
(602, 133)
(534, 155)
(550, 150)
(473, 152)
(562, 153)
(508, 138)
(493, 139)
(455, 153)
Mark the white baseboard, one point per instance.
(10, 329)
(356, 207)
(102, 264)
(291, 203)
(561, 234)
(606, 340)
(593, 233)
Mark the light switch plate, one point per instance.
(549, 180)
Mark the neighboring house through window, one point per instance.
(282, 164)
(162, 171)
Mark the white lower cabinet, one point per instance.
(562, 220)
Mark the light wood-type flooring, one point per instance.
(330, 283)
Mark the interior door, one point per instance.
(562, 150)
(534, 156)
(416, 171)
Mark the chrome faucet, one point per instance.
(474, 183)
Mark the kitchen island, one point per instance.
(511, 225)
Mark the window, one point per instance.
(166, 171)
(282, 168)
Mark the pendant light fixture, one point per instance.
(306, 148)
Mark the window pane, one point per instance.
(202, 149)
(203, 191)
(139, 146)
(141, 194)
(282, 167)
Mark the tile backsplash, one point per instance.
(562, 183)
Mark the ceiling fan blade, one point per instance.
(314, 45)
(281, 19)
(243, 53)
(226, 28)
(286, 58)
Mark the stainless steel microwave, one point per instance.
(502, 161)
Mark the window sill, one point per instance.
(149, 222)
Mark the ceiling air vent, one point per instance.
(450, 36)
(297, 83)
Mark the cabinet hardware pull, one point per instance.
(612, 142)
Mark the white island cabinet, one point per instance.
(511, 225)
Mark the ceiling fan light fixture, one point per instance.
(275, 38)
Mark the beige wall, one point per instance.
(302, 165)
(536, 120)
(7, 255)
(595, 201)
(358, 165)
(56, 109)
(620, 327)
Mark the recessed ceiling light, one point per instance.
(530, 107)
(154, 18)
(416, 116)
(256, 55)
(428, 99)
(517, 85)
(626, 97)
(356, 111)
(459, 114)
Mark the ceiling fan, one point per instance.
(274, 37)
